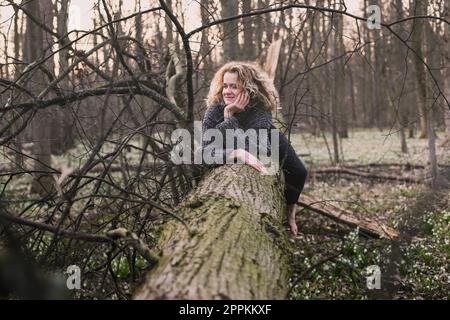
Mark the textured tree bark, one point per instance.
(205, 45)
(169, 26)
(342, 108)
(62, 128)
(248, 47)
(236, 247)
(19, 158)
(446, 72)
(335, 101)
(418, 38)
(370, 114)
(230, 31)
(38, 44)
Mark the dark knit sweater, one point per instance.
(254, 117)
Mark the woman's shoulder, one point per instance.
(259, 110)
(215, 107)
(257, 116)
(258, 106)
(214, 111)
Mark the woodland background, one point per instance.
(91, 90)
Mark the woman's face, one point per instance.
(231, 87)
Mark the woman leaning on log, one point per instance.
(241, 96)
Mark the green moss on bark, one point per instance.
(237, 247)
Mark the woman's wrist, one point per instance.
(227, 113)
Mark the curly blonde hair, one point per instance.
(252, 78)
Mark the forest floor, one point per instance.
(332, 260)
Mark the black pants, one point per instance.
(294, 171)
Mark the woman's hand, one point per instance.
(238, 105)
(249, 159)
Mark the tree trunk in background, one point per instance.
(62, 18)
(144, 67)
(395, 91)
(62, 128)
(94, 43)
(159, 34)
(433, 55)
(138, 34)
(447, 107)
(445, 49)
(259, 31)
(17, 42)
(281, 33)
(270, 23)
(248, 47)
(205, 53)
(403, 143)
(37, 44)
(412, 113)
(334, 102)
(230, 31)
(375, 87)
(5, 41)
(325, 56)
(317, 97)
(379, 101)
(432, 150)
(237, 248)
(94, 112)
(435, 62)
(169, 34)
(367, 78)
(107, 54)
(418, 38)
(352, 93)
(18, 157)
(342, 109)
(419, 41)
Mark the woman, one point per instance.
(241, 96)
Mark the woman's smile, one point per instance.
(229, 98)
(231, 87)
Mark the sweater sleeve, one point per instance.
(213, 119)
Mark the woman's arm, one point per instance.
(214, 119)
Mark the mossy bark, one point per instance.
(236, 247)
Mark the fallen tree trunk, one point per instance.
(367, 226)
(235, 248)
